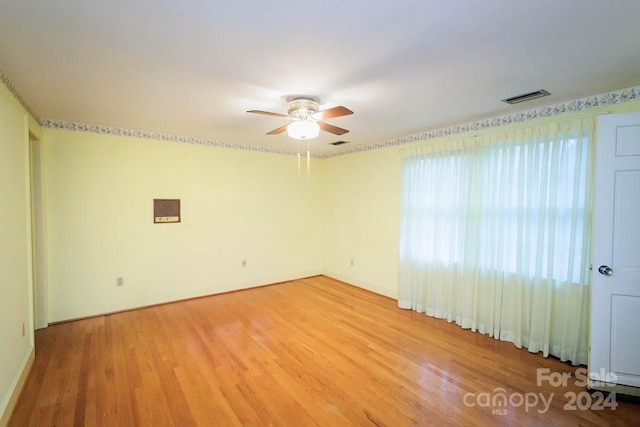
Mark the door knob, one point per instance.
(606, 270)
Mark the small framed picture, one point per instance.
(166, 211)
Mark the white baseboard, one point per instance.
(18, 384)
(614, 388)
(393, 294)
(61, 317)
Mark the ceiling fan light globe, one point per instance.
(303, 129)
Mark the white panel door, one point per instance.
(615, 294)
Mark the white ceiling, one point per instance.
(193, 67)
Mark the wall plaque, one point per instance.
(166, 210)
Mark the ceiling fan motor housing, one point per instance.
(307, 118)
(302, 109)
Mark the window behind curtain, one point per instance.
(495, 234)
(521, 202)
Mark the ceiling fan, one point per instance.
(307, 119)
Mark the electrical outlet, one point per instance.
(23, 330)
(120, 281)
(244, 262)
(351, 262)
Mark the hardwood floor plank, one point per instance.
(310, 352)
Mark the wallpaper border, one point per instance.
(14, 91)
(577, 105)
(158, 136)
(600, 100)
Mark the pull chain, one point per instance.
(308, 159)
(298, 157)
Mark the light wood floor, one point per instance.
(307, 352)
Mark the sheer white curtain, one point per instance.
(495, 235)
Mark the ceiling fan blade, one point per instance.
(332, 112)
(332, 129)
(267, 113)
(279, 130)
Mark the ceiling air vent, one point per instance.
(526, 97)
(339, 142)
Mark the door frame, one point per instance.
(40, 285)
(597, 376)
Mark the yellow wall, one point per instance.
(236, 205)
(15, 309)
(362, 201)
